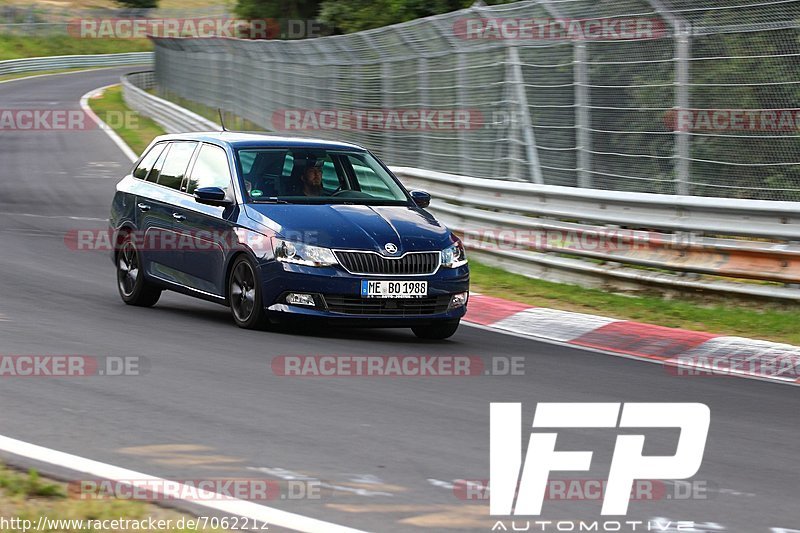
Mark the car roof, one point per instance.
(237, 139)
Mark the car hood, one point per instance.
(356, 227)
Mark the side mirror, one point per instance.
(421, 198)
(211, 196)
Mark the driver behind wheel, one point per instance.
(311, 178)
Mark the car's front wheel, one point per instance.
(244, 295)
(133, 287)
(442, 329)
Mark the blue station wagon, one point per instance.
(279, 228)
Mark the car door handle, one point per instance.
(178, 216)
(143, 207)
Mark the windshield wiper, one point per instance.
(273, 200)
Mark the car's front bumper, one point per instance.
(337, 296)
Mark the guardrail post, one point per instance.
(582, 118)
(386, 100)
(461, 95)
(682, 148)
(517, 79)
(424, 144)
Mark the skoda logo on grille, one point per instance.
(390, 248)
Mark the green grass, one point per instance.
(26, 496)
(18, 46)
(757, 319)
(136, 130)
(232, 122)
(764, 320)
(15, 484)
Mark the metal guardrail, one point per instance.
(609, 239)
(33, 64)
(172, 117)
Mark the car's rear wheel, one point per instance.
(244, 295)
(442, 329)
(131, 283)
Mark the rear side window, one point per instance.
(210, 169)
(146, 164)
(156, 171)
(175, 165)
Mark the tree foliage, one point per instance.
(346, 16)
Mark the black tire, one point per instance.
(133, 288)
(443, 329)
(244, 295)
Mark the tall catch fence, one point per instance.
(667, 96)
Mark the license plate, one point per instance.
(393, 289)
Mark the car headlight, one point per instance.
(454, 256)
(303, 254)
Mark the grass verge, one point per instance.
(764, 320)
(136, 130)
(26, 496)
(19, 46)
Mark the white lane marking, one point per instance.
(32, 76)
(3, 318)
(366, 479)
(207, 499)
(441, 484)
(103, 126)
(100, 170)
(289, 475)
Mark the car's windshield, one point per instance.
(310, 175)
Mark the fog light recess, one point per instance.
(459, 300)
(300, 298)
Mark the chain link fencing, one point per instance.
(667, 96)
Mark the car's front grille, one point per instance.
(373, 263)
(353, 305)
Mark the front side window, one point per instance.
(310, 175)
(370, 181)
(148, 161)
(210, 169)
(176, 163)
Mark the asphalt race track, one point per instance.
(211, 406)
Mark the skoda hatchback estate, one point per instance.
(279, 228)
